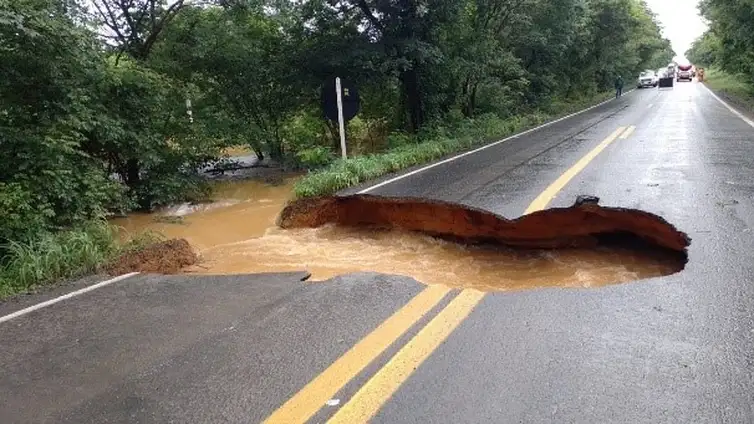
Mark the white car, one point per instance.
(684, 75)
(647, 79)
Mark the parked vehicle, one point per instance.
(670, 70)
(684, 73)
(647, 78)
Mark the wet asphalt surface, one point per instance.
(676, 349)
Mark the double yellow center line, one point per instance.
(386, 381)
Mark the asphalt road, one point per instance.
(676, 349)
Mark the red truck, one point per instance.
(684, 73)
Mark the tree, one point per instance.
(134, 26)
(247, 61)
(47, 62)
(729, 43)
(704, 50)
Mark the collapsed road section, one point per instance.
(585, 224)
(432, 242)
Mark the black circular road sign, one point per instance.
(349, 96)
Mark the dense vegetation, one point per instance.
(94, 114)
(727, 46)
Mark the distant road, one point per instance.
(677, 349)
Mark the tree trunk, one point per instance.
(133, 181)
(472, 100)
(412, 98)
(276, 151)
(133, 176)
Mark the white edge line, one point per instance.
(730, 108)
(486, 146)
(64, 297)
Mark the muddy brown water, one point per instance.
(236, 234)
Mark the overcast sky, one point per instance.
(681, 21)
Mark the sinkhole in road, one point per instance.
(244, 231)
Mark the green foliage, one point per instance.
(728, 43)
(242, 58)
(736, 87)
(314, 157)
(704, 51)
(20, 215)
(50, 257)
(45, 89)
(727, 48)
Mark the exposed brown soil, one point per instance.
(584, 224)
(167, 257)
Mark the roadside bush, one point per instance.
(735, 87)
(20, 214)
(307, 141)
(315, 157)
(49, 257)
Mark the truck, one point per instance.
(684, 73)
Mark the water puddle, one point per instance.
(237, 234)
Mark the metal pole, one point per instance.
(341, 124)
(188, 110)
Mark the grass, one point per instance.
(53, 257)
(433, 145)
(732, 86)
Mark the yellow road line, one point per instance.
(630, 130)
(546, 196)
(313, 396)
(368, 400)
(386, 381)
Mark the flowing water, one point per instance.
(237, 234)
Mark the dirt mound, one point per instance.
(584, 224)
(167, 257)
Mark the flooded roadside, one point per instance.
(237, 234)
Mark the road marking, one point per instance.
(368, 400)
(310, 399)
(387, 380)
(730, 108)
(486, 146)
(64, 297)
(546, 196)
(630, 130)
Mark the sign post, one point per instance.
(341, 124)
(340, 103)
(188, 111)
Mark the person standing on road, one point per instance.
(618, 86)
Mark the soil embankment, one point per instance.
(166, 257)
(584, 224)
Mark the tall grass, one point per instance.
(429, 146)
(737, 87)
(52, 257)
